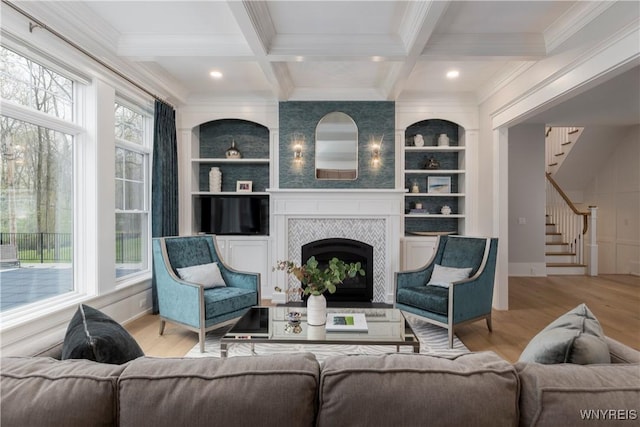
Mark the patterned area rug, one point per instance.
(433, 340)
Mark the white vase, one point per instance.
(443, 140)
(418, 140)
(215, 180)
(316, 333)
(316, 310)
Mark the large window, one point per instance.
(132, 190)
(36, 187)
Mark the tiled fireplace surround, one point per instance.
(370, 216)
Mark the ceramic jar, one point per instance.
(443, 140)
(418, 140)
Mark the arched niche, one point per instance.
(431, 129)
(216, 136)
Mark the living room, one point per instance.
(523, 94)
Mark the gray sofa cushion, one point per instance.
(555, 395)
(418, 390)
(44, 392)
(574, 337)
(239, 391)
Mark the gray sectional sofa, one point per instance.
(476, 389)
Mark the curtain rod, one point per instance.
(40, 24)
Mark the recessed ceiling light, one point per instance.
(216, 74)
(453, 74)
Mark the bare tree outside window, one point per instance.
(132, 216)
(36, 186)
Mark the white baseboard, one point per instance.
(527, 269)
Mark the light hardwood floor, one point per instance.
(533, 303)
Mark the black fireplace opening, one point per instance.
(357, 289)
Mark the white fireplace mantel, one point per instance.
(300, 216)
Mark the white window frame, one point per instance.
(27, 114)
(145, 149)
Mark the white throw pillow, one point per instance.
(444, 276)
(205, 274)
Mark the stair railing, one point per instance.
(573, 224)
(558, 142)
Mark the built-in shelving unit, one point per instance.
(214, 138)
(423, 208)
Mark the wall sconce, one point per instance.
(298, 142)
(376, 150)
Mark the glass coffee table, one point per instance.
(271, 325)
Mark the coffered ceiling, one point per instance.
(314, 50)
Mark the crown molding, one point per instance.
(508, 73)
(617, 52)
(336, 94)
(143, 45)
(96, 35)
(572, 21)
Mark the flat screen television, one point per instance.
(231, 215)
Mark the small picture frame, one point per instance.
(244, 186)
(439, 184)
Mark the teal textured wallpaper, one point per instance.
(373, 118)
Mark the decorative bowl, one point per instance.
(294, 317)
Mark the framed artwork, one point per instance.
(439, 184)
(244, 186)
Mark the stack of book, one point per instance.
(346, 322)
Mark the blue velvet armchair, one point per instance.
(191, 305)
(466, 300)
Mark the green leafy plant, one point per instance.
(315, 280)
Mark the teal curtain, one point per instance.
(164, 180)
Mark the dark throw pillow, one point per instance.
(95, 336)
(575, 337)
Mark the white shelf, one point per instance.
(229, 193)
(225, 160)
(433, 216)
(434, 171)
(434, 195)
(434, 148)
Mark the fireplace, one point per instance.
(374, 217)
(357, 289)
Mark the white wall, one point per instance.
(615, 190)
(527, 200)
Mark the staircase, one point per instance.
(560, 256)
(566, 226)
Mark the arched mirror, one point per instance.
(336, 147)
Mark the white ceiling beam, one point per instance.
(418, 24)
(351, 47)
(468, 47)
(257, 28)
